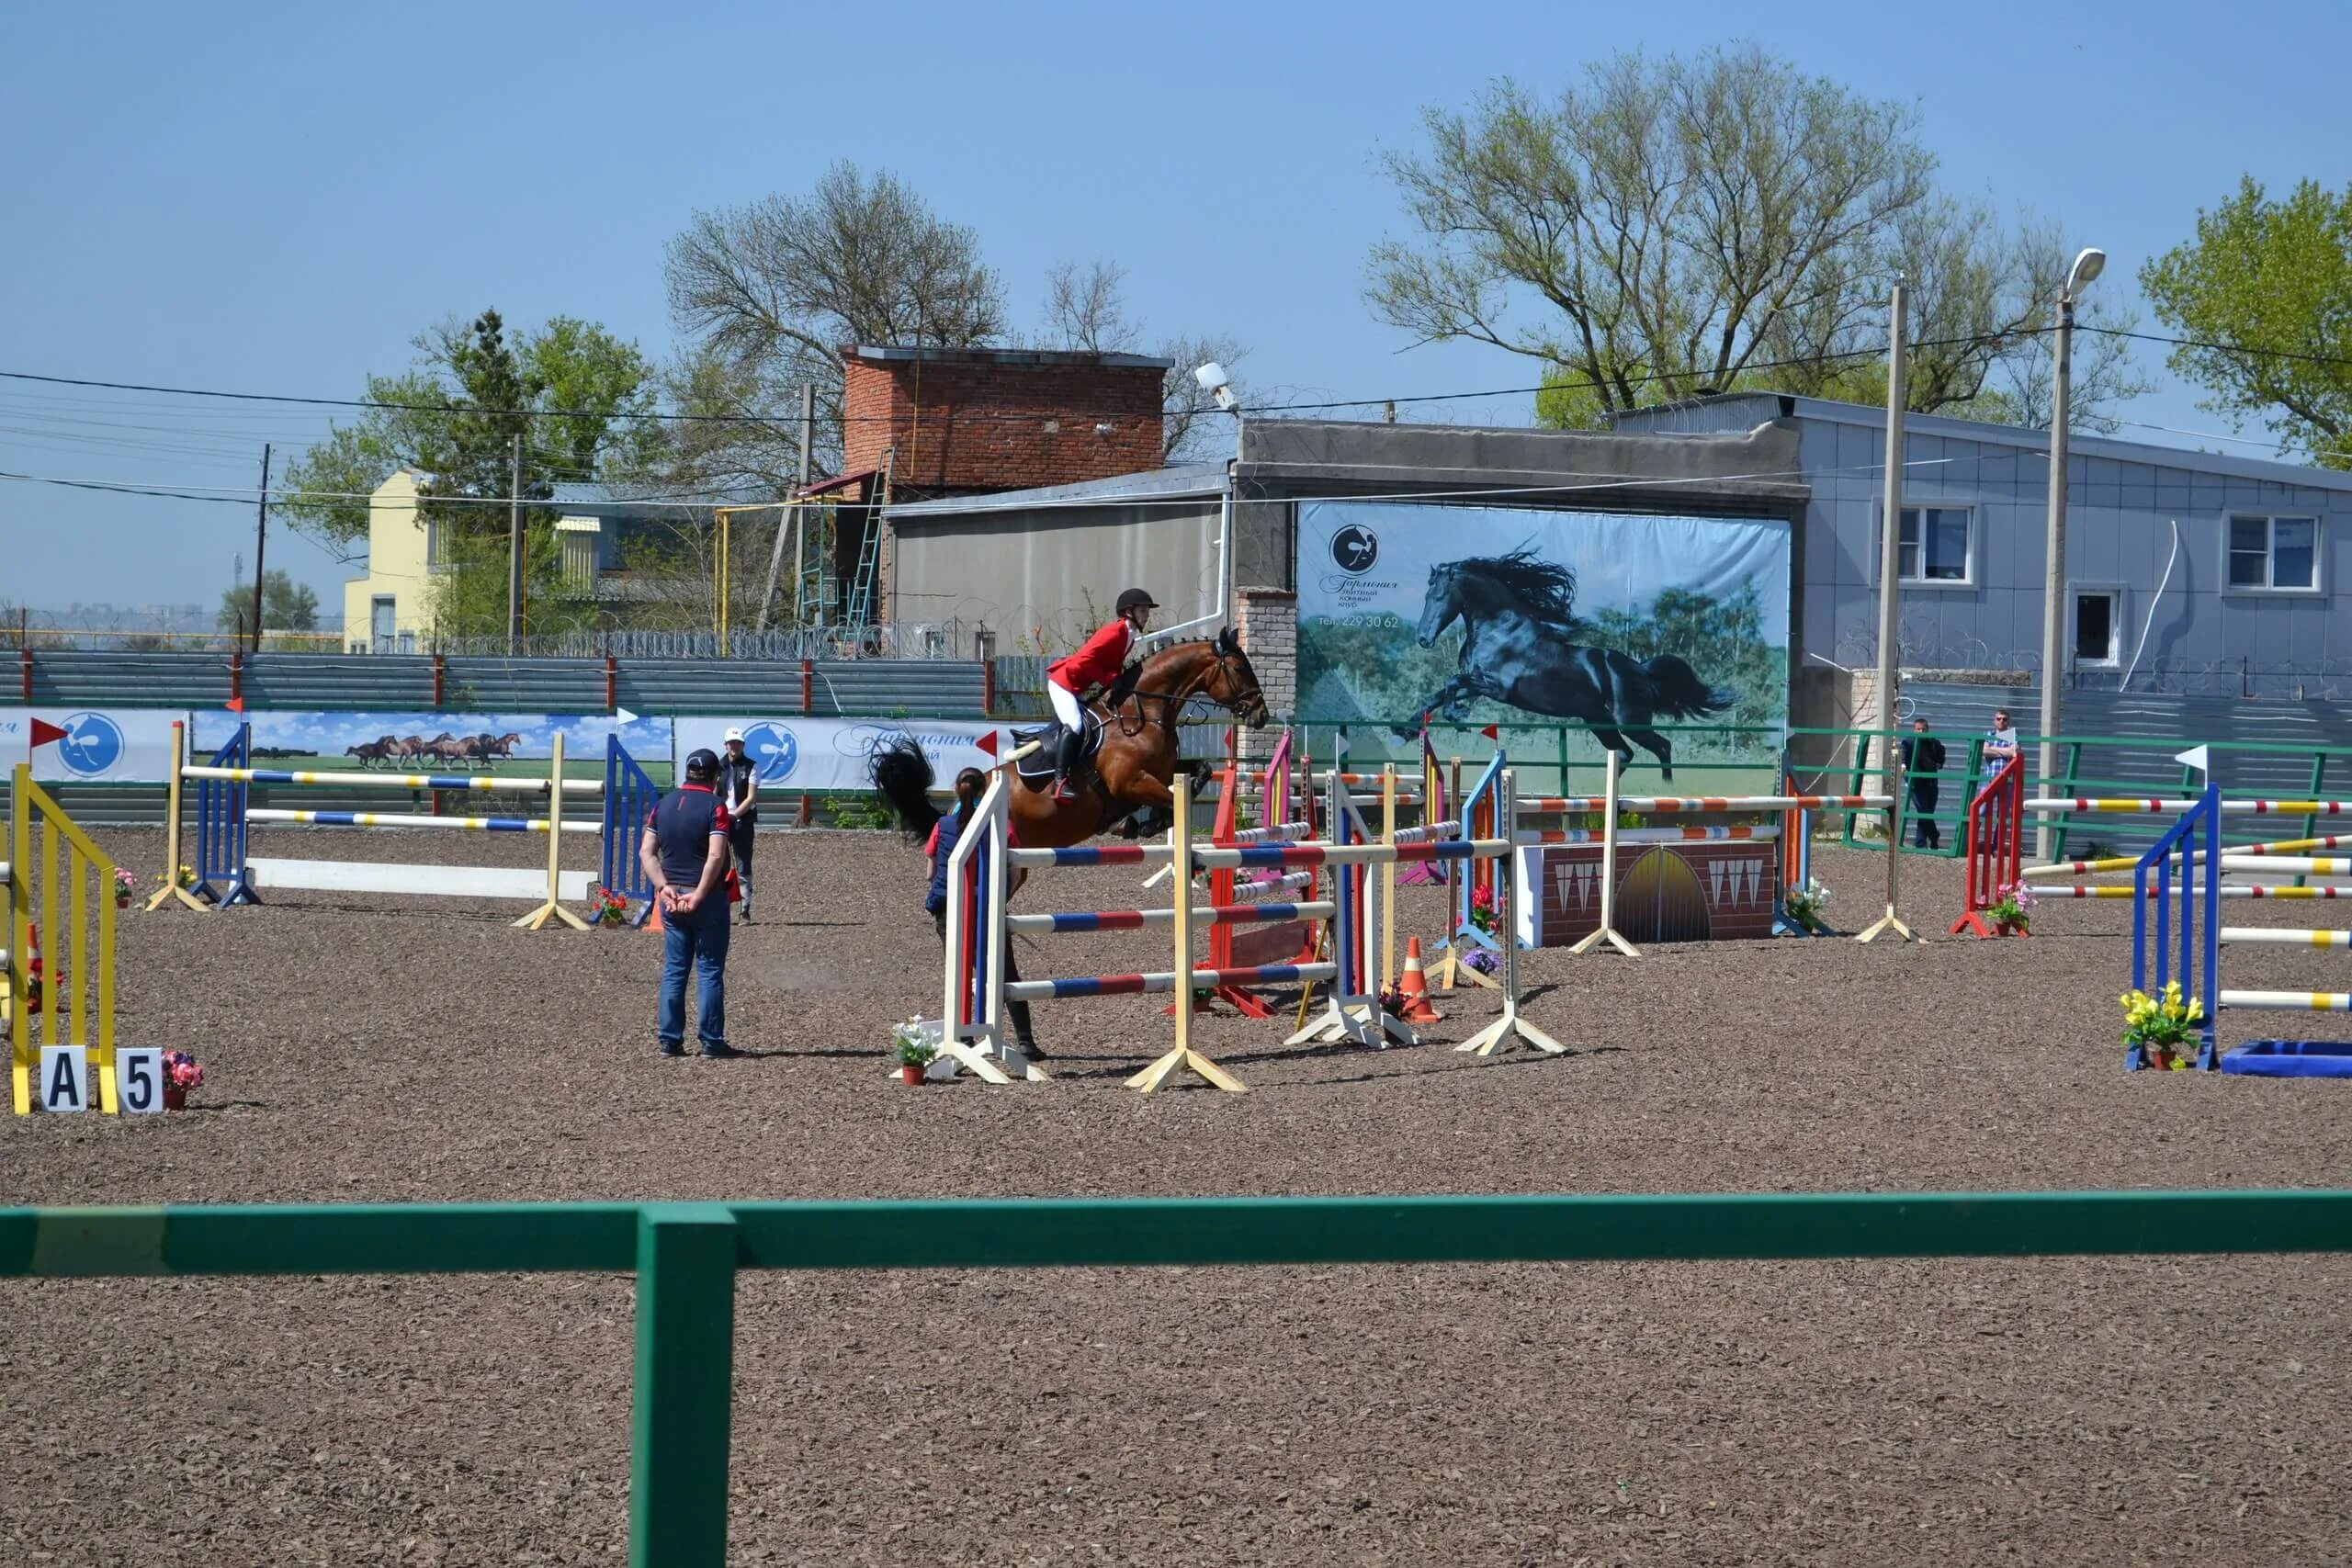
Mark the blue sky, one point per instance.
(275, 198)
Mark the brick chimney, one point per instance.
(968, 420)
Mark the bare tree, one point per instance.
(769, 293)
(1086, 308)
(1671, 216)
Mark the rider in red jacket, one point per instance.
(1096, 663)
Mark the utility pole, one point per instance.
(515, 554)
(790, 517)
(1890, 600)
(261, 540)
(2087, 266)
(799, 523)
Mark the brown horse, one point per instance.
(1136, 766)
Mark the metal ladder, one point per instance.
(869, 552)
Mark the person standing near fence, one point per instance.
(738, 791)
(1923, 757)
(684, 854)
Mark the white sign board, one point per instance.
(70, 745)
(64, 1078)
(813, 754)
(139, 1079)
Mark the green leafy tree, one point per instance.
(2276, 275)
(581, 399)
(287, 605)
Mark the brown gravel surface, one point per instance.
(2048, 1411)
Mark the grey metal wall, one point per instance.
(2119, 517)
(1042, 580)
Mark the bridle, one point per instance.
(1172, 703)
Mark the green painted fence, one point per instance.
(687, 1256)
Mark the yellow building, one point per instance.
(389, 609)
(385, 611)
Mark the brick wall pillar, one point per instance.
(1268, 622)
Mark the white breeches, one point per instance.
(1066, 706)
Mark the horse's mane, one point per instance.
(1546, 588)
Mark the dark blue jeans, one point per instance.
(697, 941)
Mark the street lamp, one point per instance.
(2087, 266)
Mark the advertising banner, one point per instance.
(68, 745)
(397, 742)
(1414, 613)
(819, 754)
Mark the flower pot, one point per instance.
(907, 1073)
(175, 1099)
(2008, 928)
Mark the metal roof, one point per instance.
(1152, 484)
(1785, 405)
(881, 354)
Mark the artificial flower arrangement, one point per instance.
(2163, 1024)
(912, 1042)
(606, 907)
(1804, 905)
(2012, 908)
(182, 1073)
(1482, 910)
(125, 887)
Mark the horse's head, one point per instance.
(1233, 682)
(1441, 603)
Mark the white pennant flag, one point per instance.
(2198, 757)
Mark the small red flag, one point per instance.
(987, 744)
(1493, 732)
(236, 704)
(44, 732)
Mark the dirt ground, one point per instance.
(2040, 1412)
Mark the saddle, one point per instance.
(1039, 765)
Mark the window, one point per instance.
(2274, 553)
(2095, 620)
(436, 545)
(1934, 545)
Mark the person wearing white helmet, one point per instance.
(738, 791)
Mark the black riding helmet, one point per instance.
(1135, 599)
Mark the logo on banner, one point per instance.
(90, 744)
(1354, 550)
(772, 746)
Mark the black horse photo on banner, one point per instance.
(1661, 638)
(1521, 645)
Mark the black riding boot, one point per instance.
(1066, 764)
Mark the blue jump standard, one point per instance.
(2290, 1059)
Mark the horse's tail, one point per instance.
(1678, 692)
(903, 777)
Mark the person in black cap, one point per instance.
(683, 853)
(738, 791)
(1096, 663)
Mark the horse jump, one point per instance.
(57, 1043)
(978, 926)
(223, 817)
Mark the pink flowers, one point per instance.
(182, 1071)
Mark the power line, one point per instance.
(1651, 379)
(2217, 347)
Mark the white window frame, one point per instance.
(2113, 593)
(437, 545)
(1964, 583)
(2318, 520)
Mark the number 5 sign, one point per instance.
(141, 1074)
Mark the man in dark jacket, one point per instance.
(1924, 754)
(684, 854)
(738, 791)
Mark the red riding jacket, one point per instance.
(1097, 663)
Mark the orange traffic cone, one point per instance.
(653, 912)
(1415, 987)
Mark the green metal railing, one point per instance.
(686, 1257)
